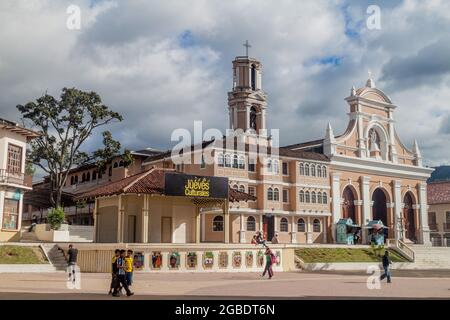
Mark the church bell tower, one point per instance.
(247, 102)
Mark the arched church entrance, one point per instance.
(379, 209)
(408, 217)
(348, 204)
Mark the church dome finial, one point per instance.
(370, 83)
(353, 92)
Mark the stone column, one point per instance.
(242, 231)
(275, 225)
(325, 227)
(308, 230)
(263, 119)
(144, 226)
(247, 117)
(95, 215)
(398, 207)
(119, 219)
(335, 201)
(391, 219)
(367, 206)
(261, 223)
(197, 225)
(235, 118)
(424, 230)
(293, 230)
(226, 228)
(358, 214)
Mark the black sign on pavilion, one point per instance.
(184, 185)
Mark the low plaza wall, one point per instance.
(185, 257)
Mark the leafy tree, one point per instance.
(64, 126)
(56, 217)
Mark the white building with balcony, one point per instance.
(13, 180)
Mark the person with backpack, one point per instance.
(270, 260)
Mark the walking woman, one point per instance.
(269, 261)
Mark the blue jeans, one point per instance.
(129, 277)
(387, 273)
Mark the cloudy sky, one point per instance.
(164, 64)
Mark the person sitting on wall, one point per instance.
(275, 239)
(34, 222)
(259, 239)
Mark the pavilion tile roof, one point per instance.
(148, 182)
(438, 192)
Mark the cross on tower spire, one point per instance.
(246, 45)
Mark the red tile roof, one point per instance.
(439, 192)
(148, 182)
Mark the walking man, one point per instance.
(114, 280)
(386, 263)
(34, 222)
(269, 262)
(72, 262)
(121, 275)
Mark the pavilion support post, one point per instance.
(120, 212)
(226, 228)
(144, 231)
(197, 225)
(95, 215)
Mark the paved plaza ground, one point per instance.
(299, 285)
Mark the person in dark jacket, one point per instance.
(114, 269)
(121, 275)
(34, 222)
(386, 264)
(72, 262)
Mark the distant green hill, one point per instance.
(441, 173)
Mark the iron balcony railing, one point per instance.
(446, 226)
(18, 178)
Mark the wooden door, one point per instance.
(166, 229)
(132, 229)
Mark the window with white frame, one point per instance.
(301, 225)
(10, 214)
(276, 194)
(252, 190)
(270, 194)
(235, 161)
(301, 196)
(269, 165)
(283, 225)
(313, 170)
(285, 195)
(220, 160)
(313, 197)
(316, 225)
(324, 171)
(242, 188)
(307, 197)
(285, 168)
(302, 169)
(241, 162)
(276, 168)
(228, 161)
(324, 198)
(319, 197)
(251, 165)
(319, 171)
(251, 223)
(306, 169)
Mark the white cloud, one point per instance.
(132, 54)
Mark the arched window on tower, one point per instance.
(307, 198)
(302, 196)
(253, 118)
(253, 77)
(319, 196)
(313, 170)
(301, 225)
(270, 194)
(319, 171)
(302, 169)
(324, 171)
(276, 195)
(235, 161)
(313, 197)
(306, 169)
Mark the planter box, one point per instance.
(45, 233)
